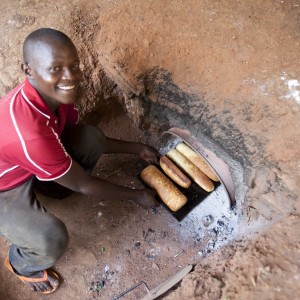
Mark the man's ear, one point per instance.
(26, 70)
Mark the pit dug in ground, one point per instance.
(116, 244)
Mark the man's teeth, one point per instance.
(70, 87)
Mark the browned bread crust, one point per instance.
(197, 160)
(190, 169)
(174, 172)
(166, 190)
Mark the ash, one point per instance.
(211, 224)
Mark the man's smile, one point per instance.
(66, 88)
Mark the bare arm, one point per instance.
(145, 152)
(77, 180)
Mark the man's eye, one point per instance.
(55, 69)
(75, 66)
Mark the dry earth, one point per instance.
(241, 59)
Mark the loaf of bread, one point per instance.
(166, 190)
(174, 172)
(191, 170)
(197, 160)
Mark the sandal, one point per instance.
(29, 279)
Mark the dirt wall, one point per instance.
(226, 70)
(222, 68)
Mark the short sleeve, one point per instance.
(46, 158)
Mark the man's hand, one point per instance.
(147, 199)
(145, 152)
(149, 154)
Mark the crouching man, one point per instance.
(43, 148)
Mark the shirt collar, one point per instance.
(34, 99)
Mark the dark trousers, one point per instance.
(39, 238)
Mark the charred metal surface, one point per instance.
(195, 196)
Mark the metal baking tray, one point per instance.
(195, 194)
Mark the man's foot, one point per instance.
(45, 282)
(48, 284)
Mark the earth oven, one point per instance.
(167, 116)
(195, 194)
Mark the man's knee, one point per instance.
(95, 138)
(85, 144)
(54, 240)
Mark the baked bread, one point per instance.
(191, 170)
(197, 160)
(174, 172)
(166, 190)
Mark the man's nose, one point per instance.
(68, 74)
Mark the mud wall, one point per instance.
(225, 71)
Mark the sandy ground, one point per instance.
(242, 61)
(114, 245)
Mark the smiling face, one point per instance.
(52, 67)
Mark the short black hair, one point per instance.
(43, 35)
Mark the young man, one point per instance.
(41, 146)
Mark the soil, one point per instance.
(234, 67)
